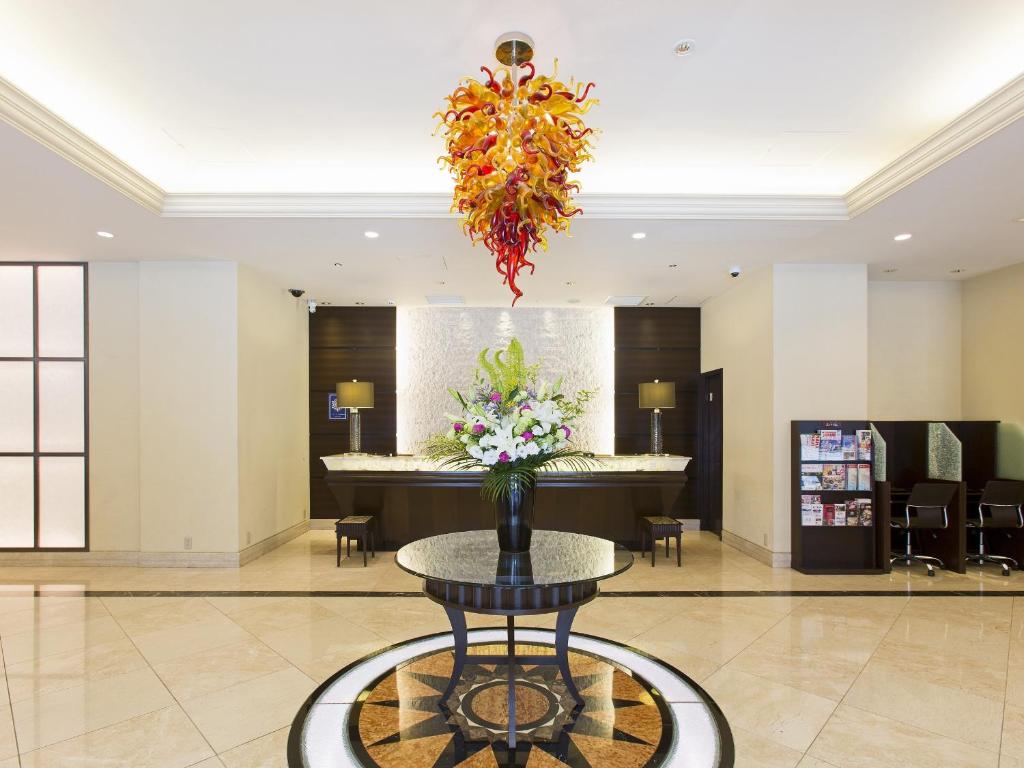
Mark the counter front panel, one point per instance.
(411, 499)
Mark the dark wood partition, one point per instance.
(906, 452)
(348, 343)
(658, 343)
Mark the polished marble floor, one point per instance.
(810, 681)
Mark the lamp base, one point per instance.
(657, 444)
(355, 438)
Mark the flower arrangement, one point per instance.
(512, 425)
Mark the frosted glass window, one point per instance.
(61, 501)
(43, 406)
(61, 407)
(61, 312)
(17, 501)
(17, 425)
(15, 311)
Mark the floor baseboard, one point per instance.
(271, 543)
(156, 559)
(756, 551)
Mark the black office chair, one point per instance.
(930, 504)
(1001, 506)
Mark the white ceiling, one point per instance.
(782, 97)
(961, 215)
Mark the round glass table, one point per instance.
(466, 572)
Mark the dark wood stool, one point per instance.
(359, 527)
(654, 528)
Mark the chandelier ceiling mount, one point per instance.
(513, 49)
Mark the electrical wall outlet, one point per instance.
(188, 542)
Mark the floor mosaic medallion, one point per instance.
(387, 710)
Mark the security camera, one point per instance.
(312, 305)
(296, 292)
(734, 271)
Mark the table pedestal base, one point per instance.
(560, 659)
(511, 602)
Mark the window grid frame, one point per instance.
(35, 454)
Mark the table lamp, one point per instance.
(657, 395)
(355, 395)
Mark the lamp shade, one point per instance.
(355, 394)
(658, 394)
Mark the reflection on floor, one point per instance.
(215, 681)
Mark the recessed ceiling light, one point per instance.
(956, 270)
(569, 283)
(360, 303)
(890, 270)
(684, 47)
(391, 302)
(672, 266)
(107, 235)
(337, 264)
(648, 303)
(442, 282)
(904, 236)
(639, 235)
(371, 234)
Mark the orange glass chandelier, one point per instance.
(512, 141)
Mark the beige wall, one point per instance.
(188, 421)
(273, 412)
(114, 406)
(198, 407)
(781, 362)
(993, 360)
(736, 336)
(914, 333)
(820, 361)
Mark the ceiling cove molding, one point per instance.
(436, 205)
(978, 123)
(309, 205)
(981, 121)
(33, 119)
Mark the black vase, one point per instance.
(513, 517)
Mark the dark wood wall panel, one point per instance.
(349, 343)
(658, 343)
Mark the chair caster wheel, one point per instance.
(1006, 571)
(931, 573)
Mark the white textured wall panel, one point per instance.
(438, 347)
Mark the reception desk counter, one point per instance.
(412, 499)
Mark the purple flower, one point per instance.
(495, 397)
(567, 431)
(525, 407)
(458, 426)
(478, 429)
(503, 457)
(527, 436)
